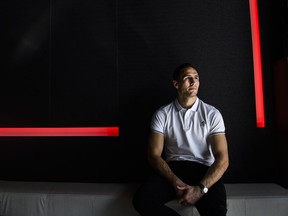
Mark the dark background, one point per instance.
(109, 63)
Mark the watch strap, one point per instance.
(203, 188)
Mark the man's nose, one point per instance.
(191, 81)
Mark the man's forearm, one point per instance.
(215, 172)
(163, 168)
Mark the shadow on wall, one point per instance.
(280, 72)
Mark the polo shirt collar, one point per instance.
(193, 108)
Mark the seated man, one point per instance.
(191, 136)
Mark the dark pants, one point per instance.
(151, 196)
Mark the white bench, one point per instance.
(107, 199)
(248, 200)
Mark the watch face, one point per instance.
(203, 188)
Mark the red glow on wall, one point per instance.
(256, 46)
(63, 131)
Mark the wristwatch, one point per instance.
(203, 188)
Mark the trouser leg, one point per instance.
(150, 198)
(214, 202)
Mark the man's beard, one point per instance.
(189, 94)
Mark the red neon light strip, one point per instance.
(260, 114)
(63, 131)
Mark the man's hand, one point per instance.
(189, 194)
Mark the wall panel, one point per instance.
(109, 63)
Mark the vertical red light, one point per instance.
(258, 82)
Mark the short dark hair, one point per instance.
(180, 69)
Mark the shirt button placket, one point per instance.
(186, 120)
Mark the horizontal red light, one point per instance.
(59, 131)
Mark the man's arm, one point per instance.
(220, 151)
(155, 149)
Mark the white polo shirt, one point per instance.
(187, 131)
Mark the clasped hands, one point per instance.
(188, 194)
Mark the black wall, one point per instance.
(109, 63)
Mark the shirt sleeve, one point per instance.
(157, 122)
(217, 123)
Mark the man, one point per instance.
(188, 151)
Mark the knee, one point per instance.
(142, 204)
(136, 202)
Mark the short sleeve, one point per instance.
(158, 122)
(217, 123)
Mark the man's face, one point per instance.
(188, 83)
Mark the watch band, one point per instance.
(203, 188)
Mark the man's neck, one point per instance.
(187, 102)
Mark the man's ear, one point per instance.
(175, 84)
